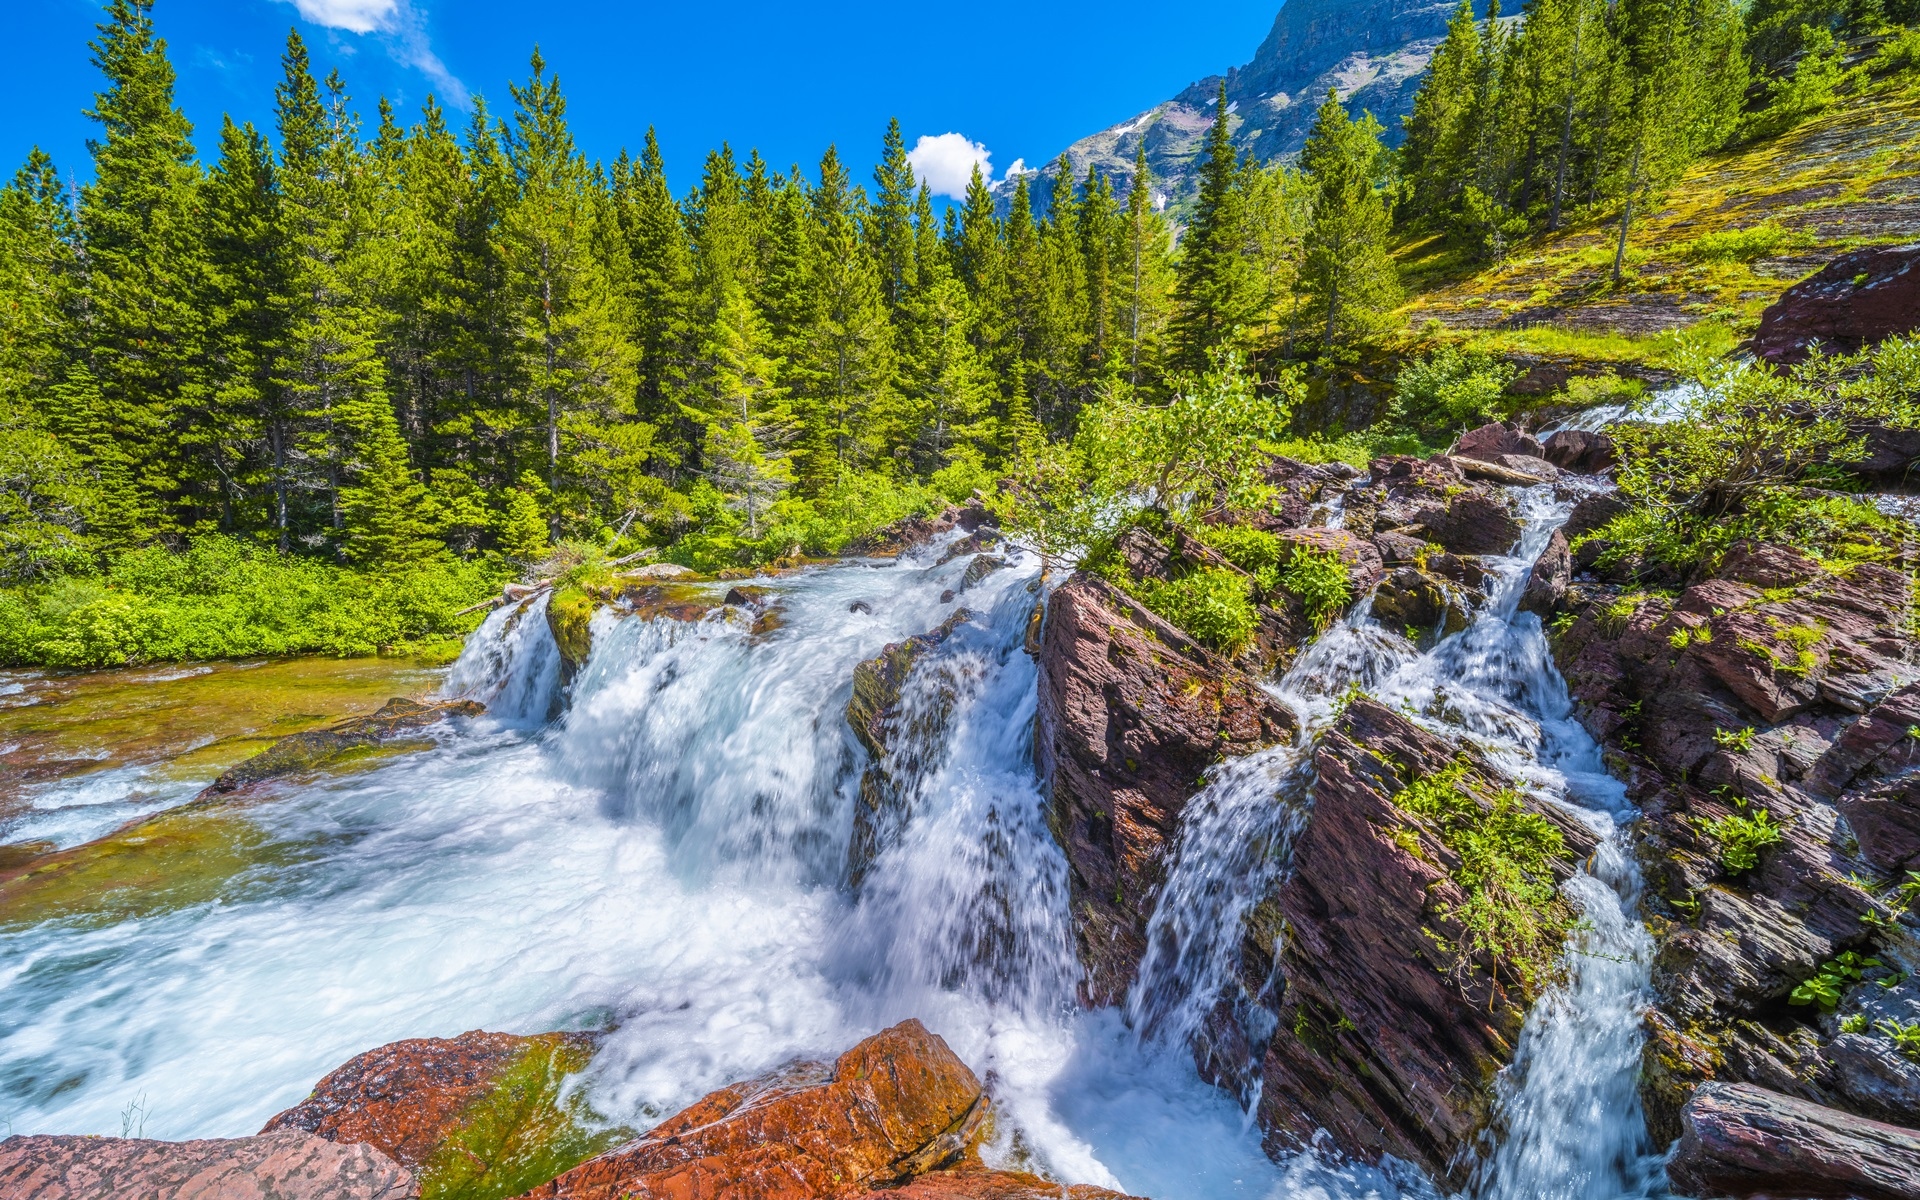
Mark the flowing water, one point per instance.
(664, 851)
(1569, 1122)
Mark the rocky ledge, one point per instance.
(488, 1114)
(396, 722)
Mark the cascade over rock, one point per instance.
(1132, 712)
(992, 1185)
(1388, 1033)
(897, 1105)
(275, 1166)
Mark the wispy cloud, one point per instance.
(945, 163)
(400, 26)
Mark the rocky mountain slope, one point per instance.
(1374, 52)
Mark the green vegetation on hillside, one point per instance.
(352, 379)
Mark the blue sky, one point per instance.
(1019, 79)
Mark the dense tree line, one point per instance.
(378, 346)
(1583, 105)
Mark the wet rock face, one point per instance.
(1774, 685)
(1587, 452)
(1434, 500)
(992, 1185)
(1745, 1141)
(903, 731)
(316, 748)
(897, 1105)
(1132, 713)
(1388, 1036)
(1855, 301)
(279, 1166)
(1493, 443)
(403, 1098)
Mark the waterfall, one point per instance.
(1568, 1120)
(511, 664)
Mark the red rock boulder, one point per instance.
(1586, 451)
(897, 1105)
(993, 1185)
(1855, 301)
(277, 1166)
(402, 1098)
(1492, 443)
(1132, 713)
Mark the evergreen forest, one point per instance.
(323, 386)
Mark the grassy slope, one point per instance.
(1848, 178)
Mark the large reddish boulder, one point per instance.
(1586, 451)
(1745, 1141)
(404, 1097)
(1132, 713)
(993, 1185)
(1433, 499)
(897, 1105)
(1853, 302)
(278, 1166)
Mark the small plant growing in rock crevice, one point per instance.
(1828, 984)
(1740, 740)
(1514, 913)
(1318, 579)
(1215, 606)
(1742, 837)
(1904, 1034)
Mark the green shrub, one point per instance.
(1514, 913)
(1214, 607)
(1591, 391)
(1832, 980)
(1744, 245)
(1252, 550)
(1742, 837)
(1900, 52)
(225, 598)
(1809, 91)
(1452, 387)
(1319, 580)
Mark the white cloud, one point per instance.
(1020, 167)
(354, 16)
(945, 163)
(401, 27)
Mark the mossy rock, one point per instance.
(528, 1128)
(570, 616)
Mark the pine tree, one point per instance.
(245, 276)
(1215, 292)
(1346, 269)
(891, 229)
(143, 289)
(751, 425)
(662, 282)
(386, 510)
(573, 336)
(1146, 280)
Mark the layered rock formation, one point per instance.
(1391, 1024)
(1132, 713)
(279, 1166)
(1740, 1140)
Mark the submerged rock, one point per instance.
(279, 1166)
(898, 1105)
(320, 747)
(1131, 714)
(1744, 1141)
(480, 1112)
(902, 741)
(1391, 1024)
